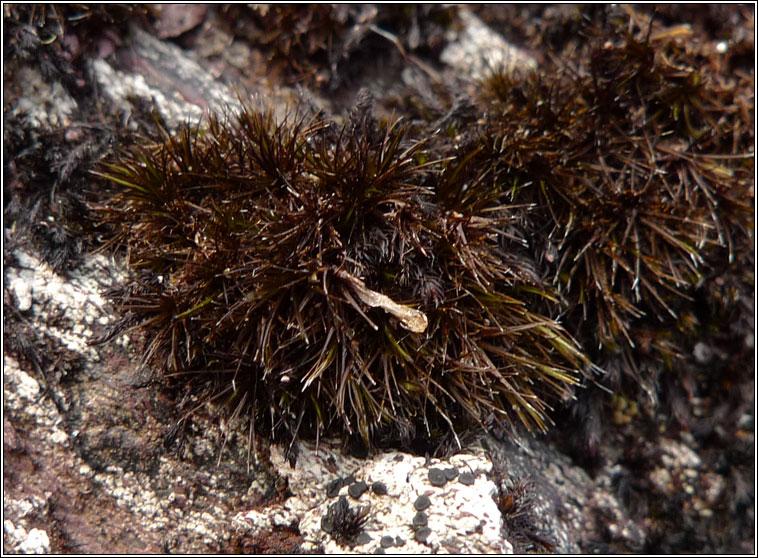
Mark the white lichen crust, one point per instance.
(460, 518)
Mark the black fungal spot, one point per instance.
(420, 519)
(379, 488)
(363, 538)
(450, 473)
(422, 534)
(422, 502)
(326, 524)
(466, 478)
(437, 477)
(387, 541)
(356, 490)
(334, 487)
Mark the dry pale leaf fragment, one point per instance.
(410, 318)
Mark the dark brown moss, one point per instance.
(328, 45)
(635, 146)
(335, 280)
(640, 172)
(343, 522)
(358, 280)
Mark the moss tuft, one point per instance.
(392, 281)
(335, 280)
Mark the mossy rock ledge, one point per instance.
(576, 183)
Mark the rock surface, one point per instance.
(461, 519)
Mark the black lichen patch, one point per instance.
(335, 280)
(50, 145)
(422, 502)
(357, 489)
(437, 477)
(45, 175)
(466, 478)
(56, 37)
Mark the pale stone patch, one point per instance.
(479, 51)
(35, 541)
(462, 518)
(46, 103)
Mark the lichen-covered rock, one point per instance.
(82, 442)
(459, 518)
(35, 541)
(162, 74)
